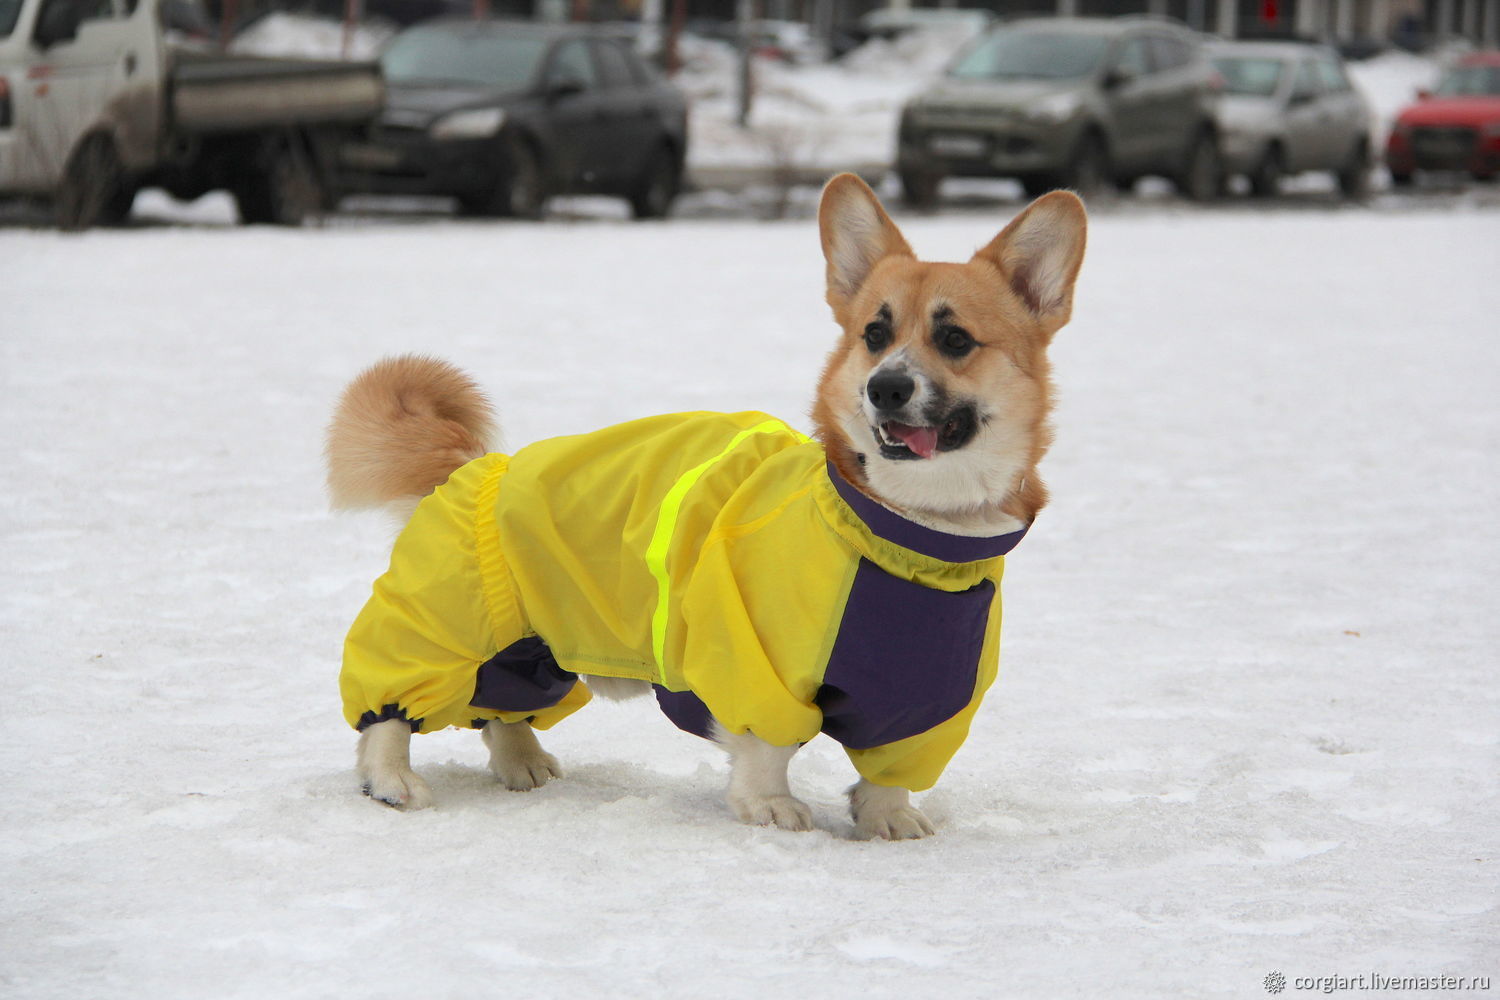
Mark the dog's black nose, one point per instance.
(890, 390)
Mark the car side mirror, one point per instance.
(1118, 77)
(1301, 97)
(58, 23)
(565, 86)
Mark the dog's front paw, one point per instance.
(516, 758)
(523, 772)
(886, 813)
(399, 787)
(780, 811)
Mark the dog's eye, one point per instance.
(954, 341)
(877, 337)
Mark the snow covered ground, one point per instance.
(1247, 717)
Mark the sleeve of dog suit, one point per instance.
(916, 763)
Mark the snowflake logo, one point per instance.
(1275, 982)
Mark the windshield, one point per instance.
(1465, 81)
(1255, 77)
(1031, 55)
(9, 11)
(431, 55)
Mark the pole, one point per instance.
(745, 15)
(671, 60)
(353, 12)
(227, 15)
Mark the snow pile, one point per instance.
(312, 37)
(1246, 721)
(1390, 81)
(913, 53)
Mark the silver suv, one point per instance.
(1069, 102)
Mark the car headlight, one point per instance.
(1053, 109)
(478, 123)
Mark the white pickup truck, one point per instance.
(99, 99)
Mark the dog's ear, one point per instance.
(857, 235)
(1040, 253)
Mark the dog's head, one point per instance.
(935, 400)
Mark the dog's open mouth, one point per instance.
(902, 441)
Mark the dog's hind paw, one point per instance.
(400, 789)
(885, 813)
(781, 811)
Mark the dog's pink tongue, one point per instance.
(922, 440)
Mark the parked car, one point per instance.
(1075, 103)
(100, 98)
(1289, 108)
(501, 115)
(1456, 127)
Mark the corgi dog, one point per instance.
(766, 586)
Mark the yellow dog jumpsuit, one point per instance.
(718, 556)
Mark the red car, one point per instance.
(1457, 127)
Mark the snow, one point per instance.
(1246, 719)
(281, 33)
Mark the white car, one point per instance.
(101, 97)
(1288, 108)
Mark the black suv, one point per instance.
(504, 114)
(1069, 102)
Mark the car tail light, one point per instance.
(4, 102)
(1400, 136)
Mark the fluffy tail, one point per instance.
(401, 429)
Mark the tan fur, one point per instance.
(1013, 295)
(400, 430)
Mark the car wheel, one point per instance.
(1088, 171)
(1402, 179)
(1202, 177)
(1354, 175)
(526, 195)
(658, 186)
(1265, 179)
(919, 188)
(93, 188)
(283, 189)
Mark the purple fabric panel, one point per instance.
(522, 677)
(894, 528)
(686, 711)
(905, 659)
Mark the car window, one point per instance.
(87, 10)
(1133, 57)
(614, 67)
(1170, 52)
(571, 64)
(1254, 77)
(1306, 84)
(1030, 55)
(10, 10)
(1470, 81)
(1331, 75)
(470, 57)
(99, 10)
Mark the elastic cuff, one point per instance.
(386, 714)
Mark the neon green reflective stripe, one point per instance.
(666, 525)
